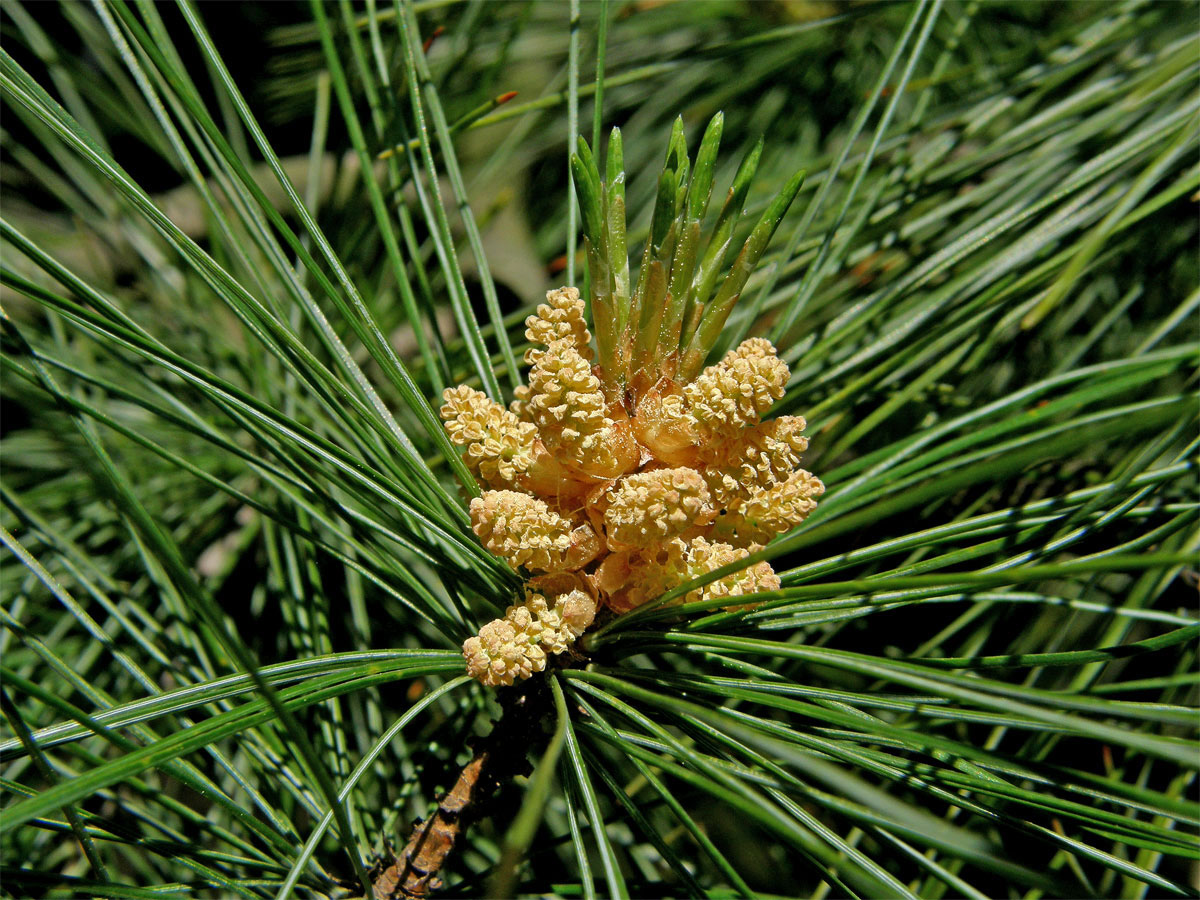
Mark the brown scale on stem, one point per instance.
(499, 757)
(414, 873)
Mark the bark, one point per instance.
(499, 758)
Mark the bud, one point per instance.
(500, 447)
(736, 391)
(650, 507)
(560, 318)
(517, 646)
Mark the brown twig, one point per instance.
(500, 757)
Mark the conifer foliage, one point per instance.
(836, 538)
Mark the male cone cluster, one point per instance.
(611, 497)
